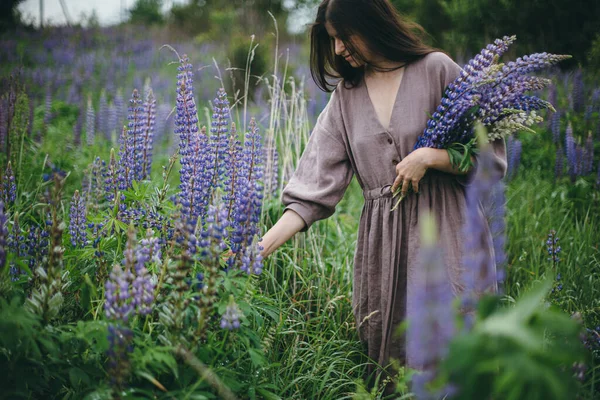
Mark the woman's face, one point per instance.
(341, 50)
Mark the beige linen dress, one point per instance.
(348, 139)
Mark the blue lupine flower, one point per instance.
(130, 151)
(480, 272)
(234, 153)
(16, 244)
(513, 147)
(119, 305)
(231, 317)
(48, 111)
(119, 104)
(8, 188)
(430, 315)
(90, 125)
(588, 156)
(577, 96)
(195, 170)
(553, 247)
(110, 174)
(570, 149)
(147, 142)
(248, 200)
(119, 347)
(103, 116)
(490, 93)
(77, 223)
(212, 238)
(3, 236)
(555, 127)
(219, 140)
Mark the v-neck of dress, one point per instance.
(394, 106)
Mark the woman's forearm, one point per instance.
(440, 160)
(287, 226)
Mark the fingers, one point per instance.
(405, 185)
(397, 183)
(415, 185)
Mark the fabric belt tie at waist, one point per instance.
(384, 191)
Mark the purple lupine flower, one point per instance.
(484, 92)
(553, 247)
(8, 190)
(514, 155)
(248, 202)
(219, 140)
(77, 223)
(598, 177)
(119, 305)
(110, 174)
(480, 271)
(48, 110)
(231, 317)
(3, 236)
(252, 260)
(588, 156)
(103, 116)
(495, 212)
(90, 124)
(136, 259)
(16, 244)
(119, 104)
(195, 170)
(571, 153)
(430, 314)
(147, 135)
(212, 238)
(234, 153)
(119, 347)
(577, 96)
(143, 291)
(130, 151)
(555, 127)
(148, 250)
(37, 245)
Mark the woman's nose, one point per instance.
(339, 47)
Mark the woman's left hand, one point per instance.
(410, 170)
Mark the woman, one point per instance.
(390, 83)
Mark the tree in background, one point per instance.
(9, 17)
(463, 27)
(147, 12)
(201, 16)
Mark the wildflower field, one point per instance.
(137, 179)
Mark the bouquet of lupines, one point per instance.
(490, 92)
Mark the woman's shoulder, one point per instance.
(437, 60)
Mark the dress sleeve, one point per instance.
(448, 73)
(323, 172)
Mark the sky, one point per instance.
(110, 11)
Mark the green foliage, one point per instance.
(9, 17)
(245, 52)
(147, 12)
(524, 351)
(465, 26)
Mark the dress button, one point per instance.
(390, 140)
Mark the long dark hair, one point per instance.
(380, 26)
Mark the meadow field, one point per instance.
(133, 161)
